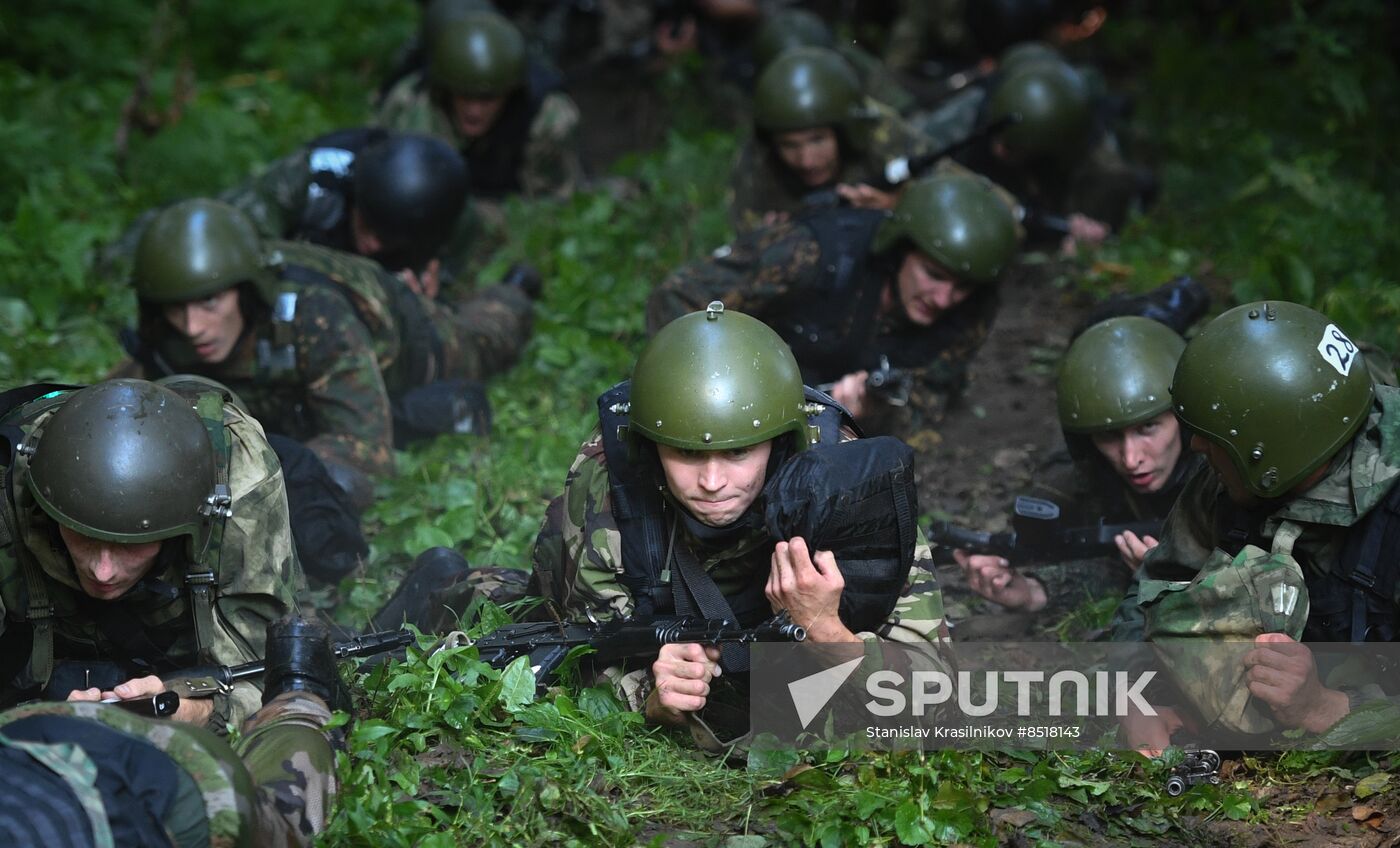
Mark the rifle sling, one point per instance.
(692, 587)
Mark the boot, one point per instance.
(418, 600)
(300, 658)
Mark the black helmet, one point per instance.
(410, 190)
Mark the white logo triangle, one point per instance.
(811, 693)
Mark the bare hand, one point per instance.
(682, 673)
(1283, 675)
(774, 216)
(809, 588)
(1083, 232)
(850, 391)
(192, 710)
(1132, 548)
(863, 196)
(428, 283)
(1150, 735)
(992, 578)
(674, 38)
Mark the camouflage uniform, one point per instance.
(775, 269)
(257, 572)
(549, 149)
(1313, 526)
(273, 788)
(279, 198)
(355, 344)
(926, 29)
(759, 183)
(580, 530)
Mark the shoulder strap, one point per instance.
(202, 572)
(1369, 563)
(636, 507)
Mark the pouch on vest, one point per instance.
(856, 499)
(1201, 629)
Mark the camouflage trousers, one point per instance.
(274, 788)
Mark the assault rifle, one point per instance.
(892, 385)
(1178, 303)
(1038, 534)
(205, 681)
(547, 644)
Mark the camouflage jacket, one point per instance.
(759, 183)
(257, 570)
(773, 273)
(274, 788)
(581, 532)
(548, 150)
(1357, 479)
(329, 390)
(288, 200)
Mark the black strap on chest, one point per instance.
(639, 509)
(1356, 602)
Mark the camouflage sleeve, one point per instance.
(345, 396)
(552, 166)
(274, 198)
(408, 107)
(749, 275)
(485, 334)
(918, 614)
(578, 555)
(258, 571)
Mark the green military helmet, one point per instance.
(806, 87)
(1278, 386)
(1027, 53)
(1116, 374)
(717, 380)
(786, 29)
(439, 13)
(480, 54)
(194, 249)
(125, 461)
(959, 221)
(1049, 103)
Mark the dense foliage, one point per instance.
(1275, 137)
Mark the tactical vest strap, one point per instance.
(1368, 566)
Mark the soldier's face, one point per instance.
(107, 570)
(473, 117)
(1144, 454)
(716, 486)
(211, 325)
(813, 154)
(926, 289)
